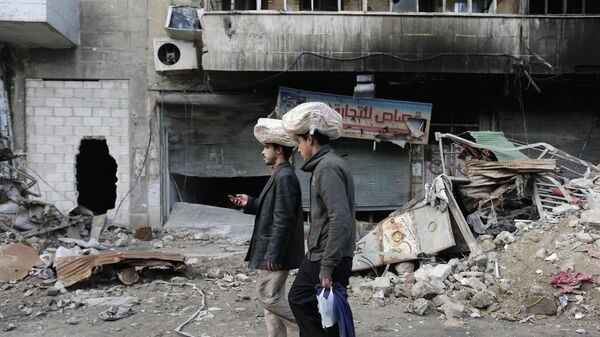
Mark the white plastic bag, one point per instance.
(327, 309)
(269, 130)
(311, 116)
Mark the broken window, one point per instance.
(321, 5)
(96, 173)
(243, 5)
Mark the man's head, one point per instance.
(274, 154)
(308, 144)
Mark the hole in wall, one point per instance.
(96, 174)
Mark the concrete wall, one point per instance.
(271, 41)
(114, 47)
(59, 114)
(40, 23)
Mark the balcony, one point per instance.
(340, 35)
(40, 23)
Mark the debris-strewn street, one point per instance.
(162, 299)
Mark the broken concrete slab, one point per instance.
(590, 218)
(483, 299)
(210, 219)
(440, 272)
(564, 208)
(584, 237)
(422, 289)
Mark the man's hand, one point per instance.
(272, 266)
(326, 282)
(240, 200)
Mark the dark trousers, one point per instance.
(303, 296)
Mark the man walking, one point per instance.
(331, 239)
(277, 243)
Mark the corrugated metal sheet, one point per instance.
(497, 138)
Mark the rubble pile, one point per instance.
(533, 243)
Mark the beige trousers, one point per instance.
(271, 296)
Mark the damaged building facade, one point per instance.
(175, 91)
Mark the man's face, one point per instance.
(269, 154)
(304, 148)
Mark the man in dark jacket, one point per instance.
(277, 243)
(331, 239)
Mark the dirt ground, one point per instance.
(29, 308)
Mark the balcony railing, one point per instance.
(522, 7)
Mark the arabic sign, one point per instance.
(368, 118)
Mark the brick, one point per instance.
(82, 131)
(44, 92)
(95, 102)
(63, 131)
(101, 130)
(68, 168)
(119, 93)
(35, 102)
(119, 112)
(82, 112)
(44, 130)
(92, 84)
(36, 139)
(44, 148)
(74, 102)
(110, 102)
(92, 121)
(43, 111)
(124, 103)
(64, 186)
(101, 112)
(74, 121)
(54, 121)
(54, 177)
(54, 158)
(62, 92)
(64, 148)
(54, 139)
(54, 84)
(74, 84)
(54, 101)
(82, 93)
(101, 93)
(109, 84)
(36, 158)
(30, 92)
(63, 112)
(34, 83)
(124, 84)
(29, 110)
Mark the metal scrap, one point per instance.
(16, 260)
(404, 234)
(73, 269)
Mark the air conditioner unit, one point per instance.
(174, 56)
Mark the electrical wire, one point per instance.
(142, 168)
